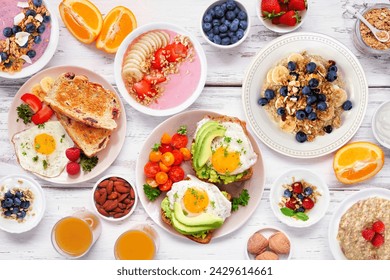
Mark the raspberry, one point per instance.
(73, 154)
(378, 227)
(368, 234)
(291, 203)
(378, 240)
(307, 203)
(73, 168)
(297, 187)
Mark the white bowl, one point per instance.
(219, 2)
(119, 62)
(49, 52)
(280, 28)
(112, 219)
(38, 205)
(267, 232)
(375, 124)
(316, 213)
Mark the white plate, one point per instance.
(47, 55)
(321, 206)
(255, 185)
(345, 205)
(119, 62)
(114, 146)
(38, 205)
(314, 43)
(375, 123)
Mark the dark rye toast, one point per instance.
(86, 102)
(249, 172)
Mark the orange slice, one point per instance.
(82, 19)
(118, 23)
(357, 162)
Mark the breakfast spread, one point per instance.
(305, 95)
(379, 18)
(16, 203)
(270, 248)
(283, 12)
(25, 33)
(161, 69)
(362, 231)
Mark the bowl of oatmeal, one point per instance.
(360, 227)
(28, 38)
(160, 69)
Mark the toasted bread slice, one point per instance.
(89, 139)
(205, 240)
(84, 101)
(249, 171)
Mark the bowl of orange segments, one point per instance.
(357, 162)
(85, 22)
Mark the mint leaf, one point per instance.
(287, 211)
(302, 216)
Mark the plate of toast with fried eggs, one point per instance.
(63, 118)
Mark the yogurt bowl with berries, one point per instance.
(299, 198)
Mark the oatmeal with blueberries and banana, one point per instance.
(305, 95)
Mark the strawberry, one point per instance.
(291, 203)
(270, 9)
(378, 240)
(73, 154)
(276, 20)
(368, 234)
(284, 8)
(378, 227)
(307, 203)
(291, 18)
(297, 5)
(73, 168)
(297, 187)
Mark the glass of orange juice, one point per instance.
(138, 243)
(73, 236)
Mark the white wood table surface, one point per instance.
(222, 94)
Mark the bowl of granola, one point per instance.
(29, 37)
(160, 69)
(22, 203)
(305, 95)
(299, 198)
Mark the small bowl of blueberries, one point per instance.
(225, 24)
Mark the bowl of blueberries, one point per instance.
(225, 24)
(22, 203)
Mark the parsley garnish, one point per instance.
(87, 164)
(227, 139)
(182, 130)
(35, 159)
(151, 193)
(44, 163)
(62, 138)
(24, 113)
(239, 141)
(241, 200)
(24, 153)
(37, 146)
(41, 125)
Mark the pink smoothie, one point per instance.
(8, 10)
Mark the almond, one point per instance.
(103, 184)
(103, 197)
(130, 204)
(121, 188)
(110, 187)
(110, 205)
(113, 195)
(101, 210)
(122, 197)
(132, 194)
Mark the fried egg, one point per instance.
(197, 197)
(41, 149)
(233, 153)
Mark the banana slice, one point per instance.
(164, 37)
(154, 40)
(46, 84)
(158, 39)
(146, 43)
(133, 56)
(327, 115)
(269, 76)
(295, 57)
(140, 48)
(133, 73)
(279, 74)
(340, 96)
(288, 125)
(37, 90)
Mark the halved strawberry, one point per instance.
(144, 88)
(159, 59)
(155, 78)
(176, 51)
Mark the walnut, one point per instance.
(279, 243)
(267, 255)
(257, 244)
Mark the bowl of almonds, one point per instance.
(114, 198)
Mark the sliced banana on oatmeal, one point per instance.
(288, 125)
(327, 115)
(339, 95)
(295, 57)
(269, 76)
(46, 84)
(279, 74)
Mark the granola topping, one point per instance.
(379, 18)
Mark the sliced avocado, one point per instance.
(200, 134)
(204, 219)
(203, 147)
(188, 230)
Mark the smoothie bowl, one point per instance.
(28, 38)
(160, 69)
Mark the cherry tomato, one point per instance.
(155, 156)
(32, 101)
(155, 78)
(167, 158)
(176, 51)
(179, 141)
(159, 59)
(166, 138)
(166, 187)
(151, 182)
(151, 169)
(165, 148)
(163, 167)
(186, 153)
(178, 157)
(176, 174)
(42, 115)
(161, 178)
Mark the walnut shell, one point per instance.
(279, 243)
(257, 244)
(267, 255)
